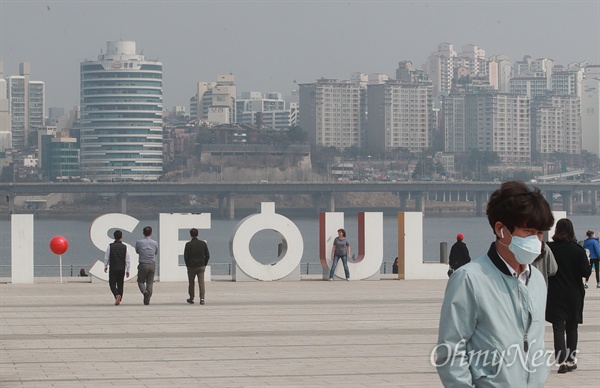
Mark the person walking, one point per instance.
(591, 244)
(459, 254)
(564, 307)
(545, 263)
(491, 307)
(196, 258)
(116, 258)
(147, 249)
(340, 250)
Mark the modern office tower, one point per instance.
(504, 72)
(556, 124)
(54, 114)
(254, 108)
(121, 116)
(529, 86)
(5, 128)
(398, 116)
(214, 102)
(501, 123)
(58, 156)
(26, 99)
(330, 113)
(590, 110)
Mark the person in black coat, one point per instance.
(564, 305)
(459, 254)
(196, 256)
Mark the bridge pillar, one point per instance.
(479, 203)
(549, 197)
(594, 201)
(403, 197)
(419, 203)
(231, 206)
(122, 197)
(221, 205)
(330, 202)
(567, 200)
(10, 198)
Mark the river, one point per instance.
(82, 253)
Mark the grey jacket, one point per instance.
(546, 263)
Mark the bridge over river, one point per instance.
(320, 191)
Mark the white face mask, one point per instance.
(525, 249)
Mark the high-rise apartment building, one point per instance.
(567, 82)
(531, 87)
(26, 106)
(331, 113)
(500, 122)
(590, 110)
(556, 124)
(121, 116)
(455, 127)
(398, 116)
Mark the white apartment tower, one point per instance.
(330, 112)
(590, 110)
(501, 123)
(455, 118)
(121, 116)
(398, 116)
(26, 105)
(556, 124)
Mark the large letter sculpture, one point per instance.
(369, 248)
(21, 237)
(171, 247)
(246, 268)
(100, 238)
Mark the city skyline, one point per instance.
(298, 41)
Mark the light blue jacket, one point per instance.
(491, 330)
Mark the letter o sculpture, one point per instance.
(267, 219)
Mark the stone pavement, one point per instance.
(308, 333)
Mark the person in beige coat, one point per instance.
(546, 263)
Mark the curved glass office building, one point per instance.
(121, 116)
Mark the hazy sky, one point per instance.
(269, 45)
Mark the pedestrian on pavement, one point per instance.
(116, 258)
(491, 317)
(340, 250)
(546, 263)
(564, 308)
(591, 244)
(459, 254)
(196, 258)
(147, 249)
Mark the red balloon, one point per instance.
(59, 245)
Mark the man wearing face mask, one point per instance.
(491, 331)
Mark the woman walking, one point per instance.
(564, 306)
(340, 250)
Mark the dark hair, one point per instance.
(564, 231)
(194, 232)
(515, 205)
(590, 233)
(343, 232)
(117, 234)
(147, 231)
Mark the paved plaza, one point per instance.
(308, 333)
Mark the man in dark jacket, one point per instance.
(459, 254)
(116, 258)
(196, 257)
